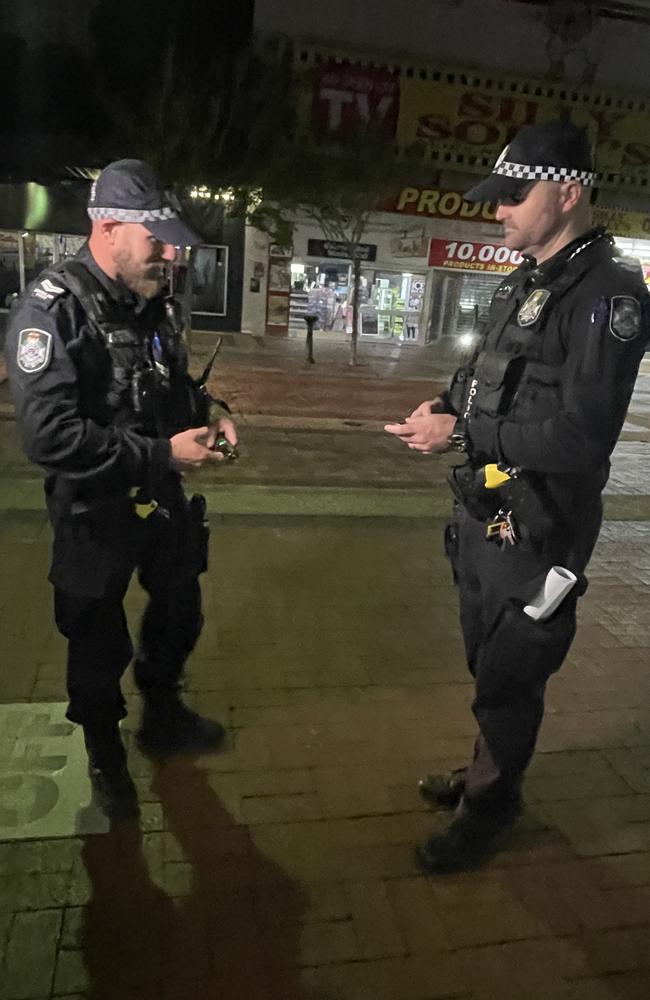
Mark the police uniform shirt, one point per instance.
(58, 371)
(592, 337)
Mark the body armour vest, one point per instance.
(517, 369)
(127, 375)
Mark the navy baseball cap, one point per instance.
(557, 151)
(128, 191)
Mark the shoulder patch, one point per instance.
(34, 350)
(532, 307)
(624, 317)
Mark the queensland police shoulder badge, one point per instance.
(34, 350)
(532, 307)
(624, 317)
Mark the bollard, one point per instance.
(310, 320)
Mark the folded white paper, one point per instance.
(556, 586)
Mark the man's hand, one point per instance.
(428, 407)
(425, 432)
(191, 448)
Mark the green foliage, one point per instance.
(338, 185)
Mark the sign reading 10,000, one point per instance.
(473, 256)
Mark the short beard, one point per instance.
(146, 280)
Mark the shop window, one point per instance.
(9, 268)
(395, 305)
(38, 253)
(209, 275)
(460, 304)
(68, 246)
(390, 302)
(320, 289)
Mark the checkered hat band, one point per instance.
(524, 171)
(133, 214)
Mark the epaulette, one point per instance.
(631, 264)
(46, 291)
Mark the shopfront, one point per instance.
(430, 267)
(462, 122)
(467, 259)
(315, 277)
(41, 226)
(390, 301)
(466, 274)
(24, 255)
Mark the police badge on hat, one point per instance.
(624, 317)
(34, 350)
(532, 307)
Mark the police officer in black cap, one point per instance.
(536, 414)
(106, 407)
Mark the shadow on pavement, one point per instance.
(235, 935)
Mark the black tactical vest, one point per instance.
(143, 350)
(517, 369)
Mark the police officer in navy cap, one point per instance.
(534, 415)
(106, 407)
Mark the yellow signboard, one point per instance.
(634, 225)
(441, 204)
(477, 122)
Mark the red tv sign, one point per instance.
(347, 96)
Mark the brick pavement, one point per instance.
(282, 868)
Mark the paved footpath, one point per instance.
(282, 868)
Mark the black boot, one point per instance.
(444, 790)
(113, 788)
(169, 727)
(470, 839)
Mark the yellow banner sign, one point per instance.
(440, 204)
(478, 122)
(634, 225)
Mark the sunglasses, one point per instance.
(519, 196)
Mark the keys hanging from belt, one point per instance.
(503, 528)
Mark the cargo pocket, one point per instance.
(92, 553)
(78, 564)
(523, 652)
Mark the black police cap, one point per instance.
(128, 191)
(556, 151)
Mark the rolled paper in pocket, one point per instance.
(556, 586)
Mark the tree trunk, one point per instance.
(356, 289)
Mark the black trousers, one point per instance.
(95, 554)
(510, 655)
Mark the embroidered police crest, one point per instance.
(34, 350)
(532, 307)
(624, 317)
